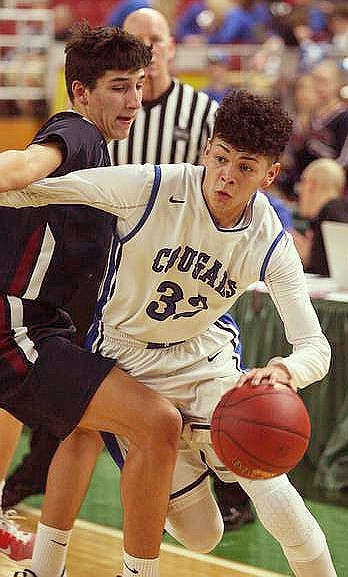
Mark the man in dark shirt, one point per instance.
(321, 197)
(51, 263)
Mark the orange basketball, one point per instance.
(260, 431)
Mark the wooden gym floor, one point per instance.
(95, 551)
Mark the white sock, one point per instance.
(144, 567)
(50, 551)
(2, 485)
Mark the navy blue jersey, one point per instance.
(48, 255)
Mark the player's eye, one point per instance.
(220, 159)
(245, 168)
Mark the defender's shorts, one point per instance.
(45, 379)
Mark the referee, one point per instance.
(175, 120)
(173, 126)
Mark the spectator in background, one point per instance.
(200, 19)
(303, 105)
(223, 22)
(126, 7)
(246, 22)
(338, 26)
(217, 73)
(173, 126)
(123, 9)
(327, 136)
(321, 197)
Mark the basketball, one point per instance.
(260, 431)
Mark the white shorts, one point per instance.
(193, 375)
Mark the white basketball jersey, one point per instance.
(176, 271)
(172, 271)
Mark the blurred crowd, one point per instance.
(296, 49)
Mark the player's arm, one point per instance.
(119, 190)
(310, 358)
(19, 168)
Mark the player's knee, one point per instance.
(207, 540)
(200, 537)
(194, 519)
(310, 549)
(281, 510)
(165, 426)
(85, 439)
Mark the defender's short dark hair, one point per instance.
(253, 123)
(90, 52)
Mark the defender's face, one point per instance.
(113, 104)
(232, 176)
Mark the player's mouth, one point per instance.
(125, 119)
(222, 195)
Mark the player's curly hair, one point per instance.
(257, 124)
(90, 52)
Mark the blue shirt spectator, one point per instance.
(122, 10)
(188, 24)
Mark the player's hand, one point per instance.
(275, 375)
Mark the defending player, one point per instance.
(50, 254)
(208, 234)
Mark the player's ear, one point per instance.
(79, 92)
(206, 150)
(271, 175)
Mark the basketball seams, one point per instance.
(232, 403)
(254, 423)
(242, 442)
(250, 455)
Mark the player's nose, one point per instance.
(134, 97)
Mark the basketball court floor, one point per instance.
(96, 550)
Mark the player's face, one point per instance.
(231, 178)
(113, 104)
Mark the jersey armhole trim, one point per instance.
(269, 254)
(147, 212)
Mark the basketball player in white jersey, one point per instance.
(190, 241)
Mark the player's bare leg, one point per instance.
(10, 430)
(16, 544)
(153, 426)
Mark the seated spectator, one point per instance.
(242, 24)
(200, 19)
(321, 197)
(338, 26)
(126, 7)
(217, 68)
(303, 103)
(328, 135)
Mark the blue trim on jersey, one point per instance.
(227, 323)
(111, 443)
(269, 254)
(93, 331)
(112, 266)
(154, 191)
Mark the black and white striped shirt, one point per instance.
(174, 128)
